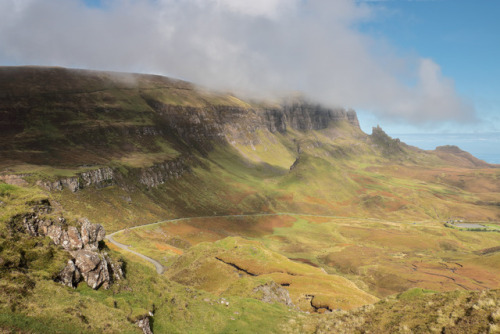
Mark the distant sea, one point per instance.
(485, 146)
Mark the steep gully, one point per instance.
(160, 268)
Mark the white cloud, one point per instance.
(258, 47)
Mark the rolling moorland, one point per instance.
(263, 216)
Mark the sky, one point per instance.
(413, 67)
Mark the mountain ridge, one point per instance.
(365, 217)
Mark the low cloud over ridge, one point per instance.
(256, 47)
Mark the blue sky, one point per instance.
(463, 37)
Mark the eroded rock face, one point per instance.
(94, 268)
(91, 234)
(100, 178)
(70, 275)
(75, 240)
(72, 183)
(162, 172)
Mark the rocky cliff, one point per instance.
(162, 172)
(200, 127)
(70, 117)
(99, 178)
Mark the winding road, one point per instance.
(160, 268)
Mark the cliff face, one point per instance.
(69, 118)
(98, 115)
(201, 127)
(99, 178)
(160, 173)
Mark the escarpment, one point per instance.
(99, 178)
(62, 121)
(102, 130)
(162, 172)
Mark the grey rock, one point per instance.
(72, 183)
(274, 293)
(30, 223)
(99, 276)
(86, 260)
(144, 325)
(75, 239)
(91, 234)
(115, 268)
(162, 172)
(43, 226)
(55, 232)
(100, 177)
(64, 240)
(70, 275)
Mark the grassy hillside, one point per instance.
(354, 218)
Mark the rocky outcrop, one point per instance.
(91, 234)
(89, 264)
(94, 268)
(160, 173)
(385, 143)
(144, 325)
(273, 293)
(99, 178)
(70, 275)
(14, 179)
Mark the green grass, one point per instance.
(376, 194)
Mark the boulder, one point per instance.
(274, 293)
(75, 240)
(99, 276)
(91, 234)
(97, 269)
(86, 260)
(55, 233)
(70, 275)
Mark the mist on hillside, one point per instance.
(258, 49)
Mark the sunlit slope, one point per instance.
(381, 257)
(358, 217)
(177, 150)
(235, 266)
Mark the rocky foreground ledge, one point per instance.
(88, 262)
